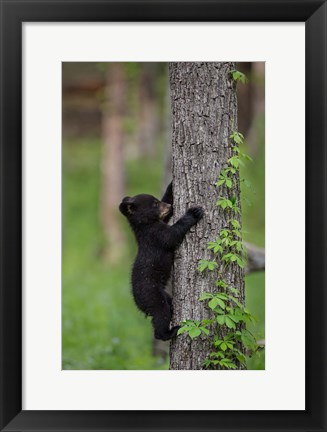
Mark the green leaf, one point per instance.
(239, 77)
(227, 257)
(203, 264)
(213, 303)
(183, 330)
(220, 319)
(223, 346)
(235, 223)
(240, 262)
(205, 296)
(194, 332)
(233, 290)
(221, 303)
(247, 157)
(248, 340)
(206, 322)
(237, 139)
(235, 318)
(229, 336)
(226, 241)
(189, 322)
(237, 233)
(223, 296)
(241, 358)
(205, 330)
(236, 301)
(228, 364)
(221, 283)
(230, 324)
(212, 265)
(234, 161)
(232, 366)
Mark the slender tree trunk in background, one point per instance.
(112, 163)
(252, 135)
(245, 99)
(148, 112)
(204, 114)
(256, 258)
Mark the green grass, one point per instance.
(253, 207)
(255, 302)
(101, 327)
(253, 195)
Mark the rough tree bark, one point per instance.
(204, 115)
(112, 163)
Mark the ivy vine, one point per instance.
(228, 312)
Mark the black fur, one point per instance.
(156, 241)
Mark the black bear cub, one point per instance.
(156, 241)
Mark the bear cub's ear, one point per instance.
(127, 206)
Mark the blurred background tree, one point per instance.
(112, 149)
(112, 160)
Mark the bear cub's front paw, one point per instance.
(196, 212)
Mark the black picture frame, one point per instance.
(13, 14)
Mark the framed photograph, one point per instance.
(163, 215)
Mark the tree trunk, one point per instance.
(204, 115)
(112, 163)
(245, 99)
(258, 111)
(256, 258)
(148, 117)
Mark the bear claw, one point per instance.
(196, 212)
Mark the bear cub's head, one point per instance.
(144, 209)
